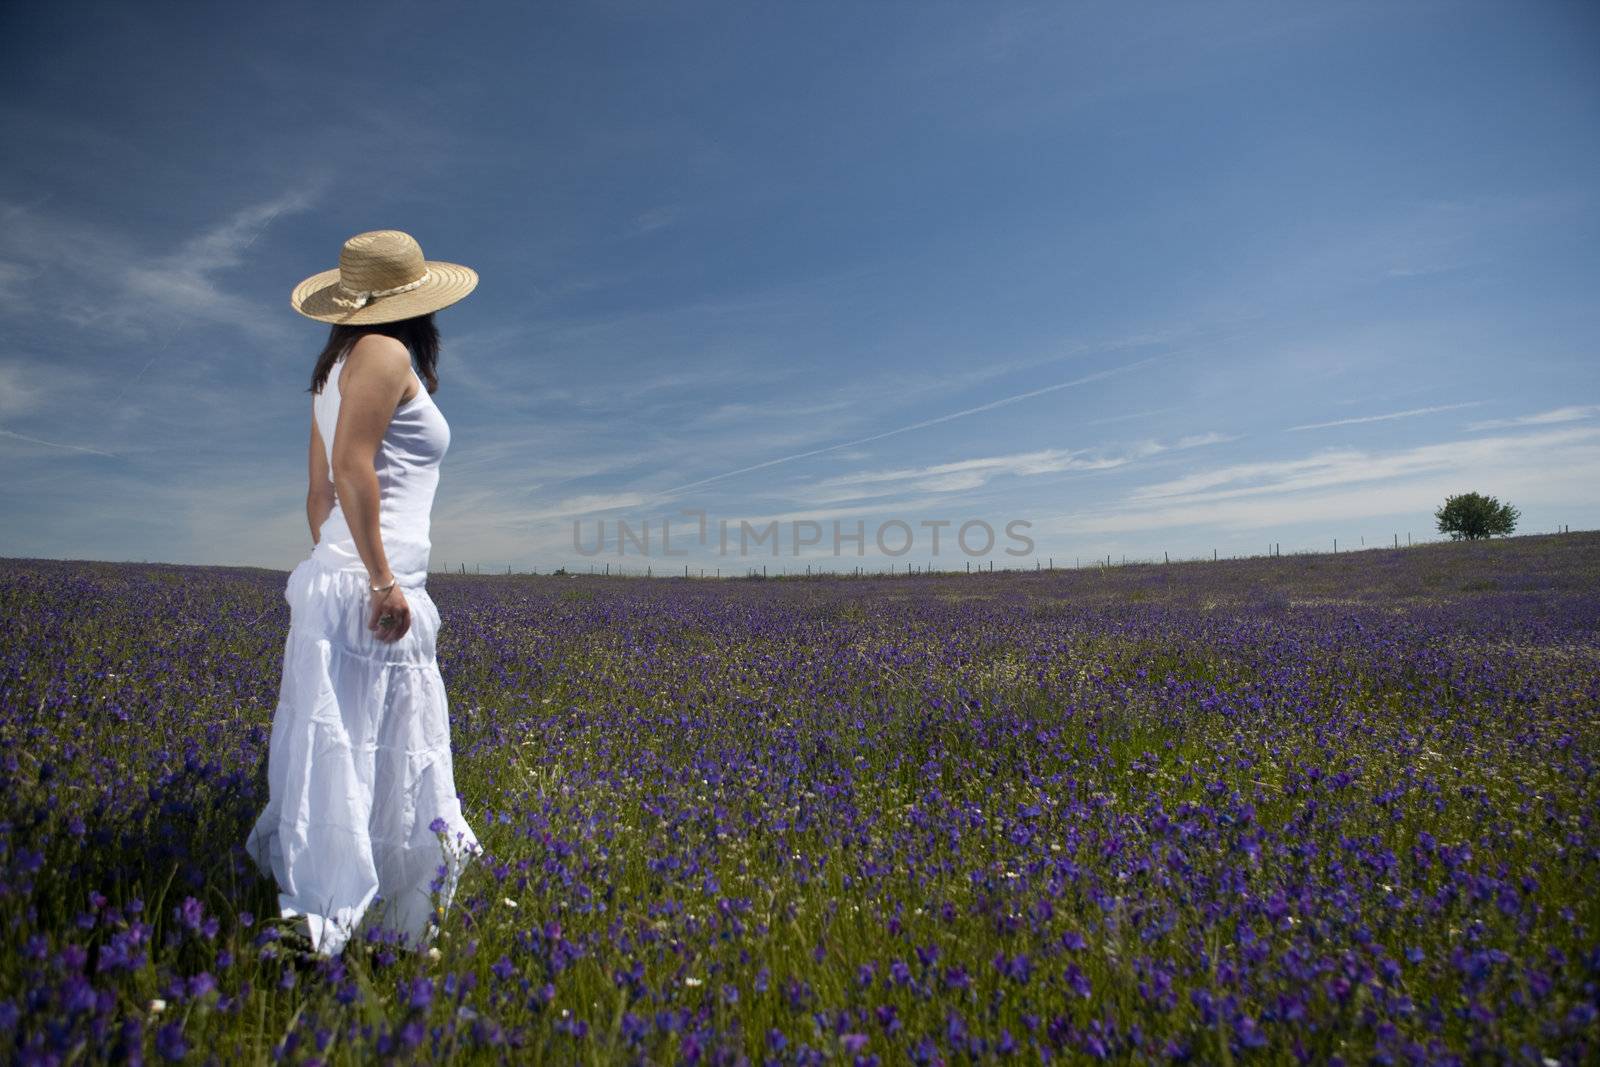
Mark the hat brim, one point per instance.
(447, 283)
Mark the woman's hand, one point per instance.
(391, 615)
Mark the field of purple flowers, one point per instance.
(1311, 809)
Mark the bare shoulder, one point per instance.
(381, 351)
(378, 358)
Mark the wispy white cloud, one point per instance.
(923, 424)
(56, 444)
(20, 390)
(495, 507)
(1553, 467)
(184, 282)
(14, 277)
(1412, 413)
(948, 477)
(1571, 413)
(587, 504)
(769, 410)
(1111, 419)
(968, 474)
(36, 392)
(657, 218)
(900, 506)
(517, 525)
(98, 278)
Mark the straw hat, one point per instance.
(381, 277)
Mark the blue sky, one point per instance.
(1176, 278)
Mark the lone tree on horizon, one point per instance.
(1470, 516)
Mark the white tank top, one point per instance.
(407, 464)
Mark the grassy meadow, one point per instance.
(1313, 809)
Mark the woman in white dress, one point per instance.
(363, 826)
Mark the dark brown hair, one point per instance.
(418, 334)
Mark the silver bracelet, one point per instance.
(382, 589)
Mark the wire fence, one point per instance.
(800, 569)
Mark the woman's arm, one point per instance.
(319, 492)
(374, 376)
(376, 373)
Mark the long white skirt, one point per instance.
(362, 826)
